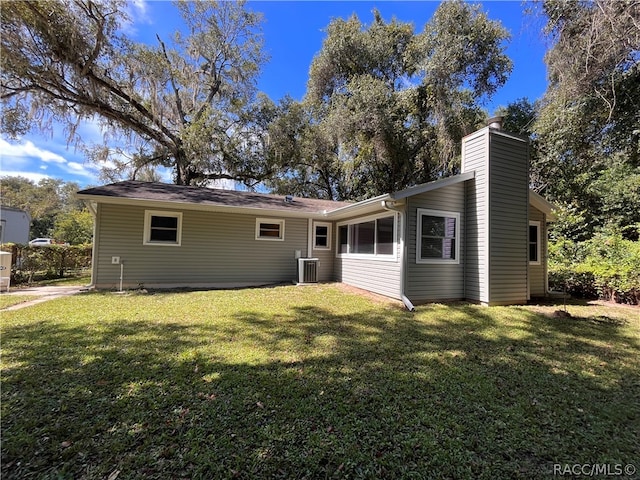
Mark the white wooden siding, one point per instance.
(433, 281)
(217, 249)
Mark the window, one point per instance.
(384, 236)
(321, 236)
(343, 238)
(362, 237)
(534, 243)
(437, 237)
(269, 229)
(162, 228)
(375, 236)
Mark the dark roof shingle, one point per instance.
(136, 190)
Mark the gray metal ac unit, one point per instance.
(308, 270)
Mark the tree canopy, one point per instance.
(587, 127)
(186, 103)
(386, 107)
(47, 202)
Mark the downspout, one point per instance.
(390, 205)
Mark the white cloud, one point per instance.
(138, 13)
(29, 150)
(34, 177)
(75, 166)
(27, 159)
(140, 7)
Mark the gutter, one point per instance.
(354, 208)
(391, 206)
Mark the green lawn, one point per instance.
(313, 382)
(10, 300)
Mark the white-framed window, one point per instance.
(534, 243)
(437, 236)
(270, 229)
(367, 237)
(321, 236)
(162, 228)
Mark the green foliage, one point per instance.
(44, 201)
(74, 227)
(180, 104)
(48, 261)
(588, 118)
(386, 107)
(606, 265)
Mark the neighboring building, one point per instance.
(14, 225)
(480, 235)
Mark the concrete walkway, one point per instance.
(41, 294)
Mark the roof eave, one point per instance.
(360, 208)
(169, 204)
(538, 201)
(427, 187)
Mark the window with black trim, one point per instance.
(162, 228)
(269, 229)
(534, 243)
(437, 238)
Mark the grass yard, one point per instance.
(10, 300)
(313, 382)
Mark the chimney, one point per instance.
(495, 122)
(497, 215)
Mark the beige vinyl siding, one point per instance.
(537, 273)
(374, 274)
(217, 249)
(475, 154)
(325, 257)
(509, 222)
(433, 281)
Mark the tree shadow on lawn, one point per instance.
(449, 392)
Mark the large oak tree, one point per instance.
(186, 102)
(587, 128)
(386, 106)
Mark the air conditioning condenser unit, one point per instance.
(308, 270)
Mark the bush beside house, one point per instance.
(51, 261)
(606, 266)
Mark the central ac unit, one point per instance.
(307, 270)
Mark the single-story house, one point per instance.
(480, 235)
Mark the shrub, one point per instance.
(605, 266)
(49, 261)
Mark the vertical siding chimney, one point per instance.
(497, 215)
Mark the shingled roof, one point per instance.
(163, 192)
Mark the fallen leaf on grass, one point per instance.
(113, 475)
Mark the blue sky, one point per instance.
(293, 34)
